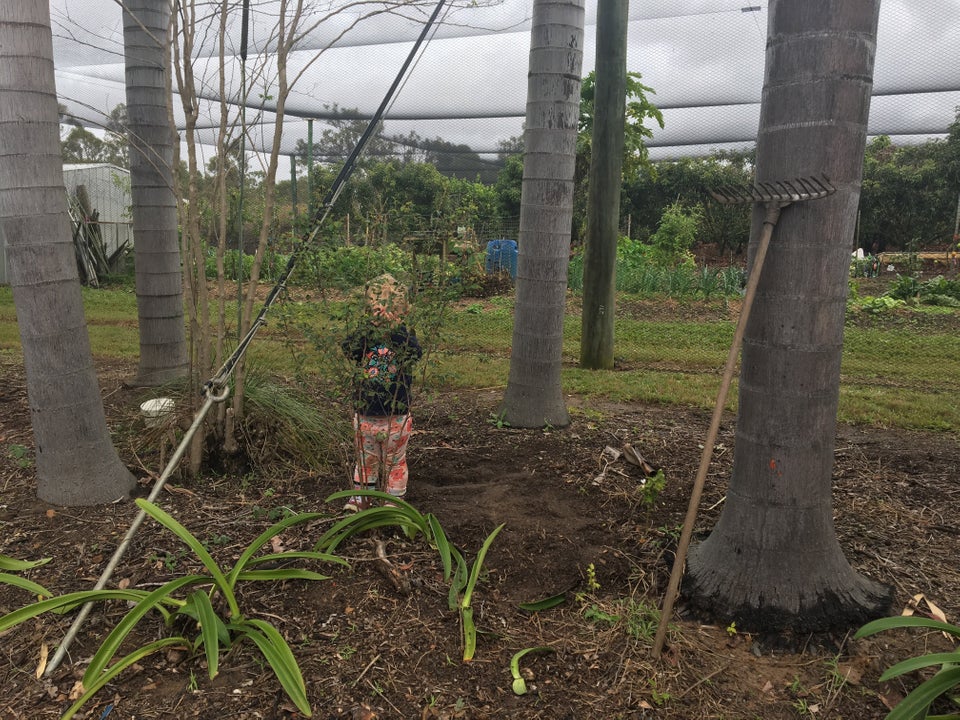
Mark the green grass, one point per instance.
(895, 375)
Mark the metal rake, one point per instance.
(774, 196)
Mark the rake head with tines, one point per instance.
(782, 192)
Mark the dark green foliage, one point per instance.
(938, 291)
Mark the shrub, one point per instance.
(675, 235)
(343, 268)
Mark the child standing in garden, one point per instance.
(385, 352)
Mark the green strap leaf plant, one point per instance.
(278, 655)
(466, 609)
(463, 578)
(216, 574)
(137, 655)
(111, 644)
(916, 704)
(24, 584)
(544, 604)
(519, 684)
(11, 565)
(212, 630)
(246, 557)
(398, 514)
(199, 605)
(64, 603)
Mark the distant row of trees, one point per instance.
(908, 200)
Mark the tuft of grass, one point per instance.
(301, 430)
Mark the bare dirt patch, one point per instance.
(372, 648)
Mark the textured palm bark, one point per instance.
(773, 561)
(76, 461)
(159, 278)
(534, 396)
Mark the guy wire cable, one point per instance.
(216, 389)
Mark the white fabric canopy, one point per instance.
(705, 64)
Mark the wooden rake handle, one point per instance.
(769, 222)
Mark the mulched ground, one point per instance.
(379, 641)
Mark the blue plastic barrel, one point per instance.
(502, 257)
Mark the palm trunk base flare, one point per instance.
(811, 591)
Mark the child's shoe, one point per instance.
(358, 503)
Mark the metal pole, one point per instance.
(293, 191)
(310, 167)
(244, 32)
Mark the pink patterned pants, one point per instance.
(381, 445)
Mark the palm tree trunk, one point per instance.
(534, 396)
(773, 560)
(76, 461)
(159, 278)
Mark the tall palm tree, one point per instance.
(76, 461)
(159, 278)
(534, 397)
(773, 560)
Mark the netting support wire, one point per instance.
(178, 454)
(323, 211)
(216, 389)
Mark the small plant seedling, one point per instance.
(20, 455)
(498, 421)
(519, 684)
(592, 584)
(651, 488)
(732, 629)
(659, 697)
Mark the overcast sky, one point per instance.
(469, 86)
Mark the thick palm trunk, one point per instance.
(76, 461)
(159, 278)
(534, 396)
(773, 560)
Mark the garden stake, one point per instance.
(774, 196)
